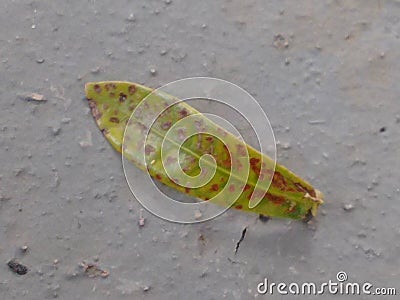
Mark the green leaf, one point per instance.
(112, 104)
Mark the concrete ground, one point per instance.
(327, 74)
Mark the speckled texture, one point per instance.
(116, 108)
(326, 73)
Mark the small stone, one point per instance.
(316, 122)
(146, 288)
(18, 171)
(66, 120)
(92, 270)
(88, 141)
(280, 41)
(163, 52)
(32, 97)
(168, 1)
(382, 55)
(33, 26)
(141, 218)
(40, 60)
(348, 207)
(131, 18)
(361, 235)
(197, 214)
(95, 70)
(56, 130)
(371, 253)
(153, 71)
(17, 267)
(24, 248)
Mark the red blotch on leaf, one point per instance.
(254, 161)
(275, 199)
(214, 187)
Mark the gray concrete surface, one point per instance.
(68, 203)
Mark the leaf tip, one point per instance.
(88, 87)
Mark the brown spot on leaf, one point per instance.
(254, 164)
(104, 131)
(149, 149)
(122, 97)
(241, 149)
(249, 195)
(222, 132)
(279, 181)
(97, 88)
(302, 188)
(183, 112)
(170, 160)
(109, 86)
(114, 120)
(254, 161)
(131, 89)
(95, 111)
(166, 125)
